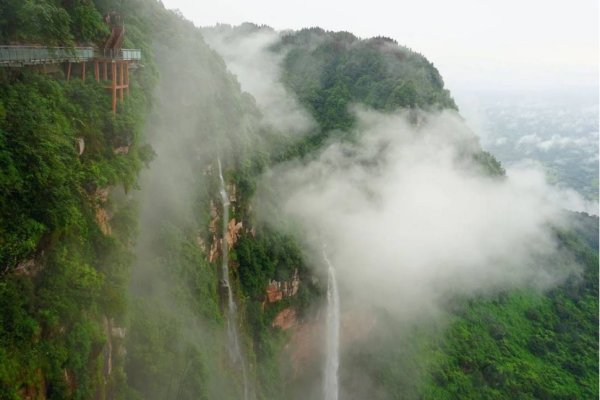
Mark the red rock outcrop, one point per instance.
(304, 347)
(213, 225)
(233, 233)
(280, 290)
(286, 318)
(212, 254)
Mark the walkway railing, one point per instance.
(42, 54)
(120, 54)
(30, 55)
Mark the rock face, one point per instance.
(118, 333)
(80, 144)
(305, 347)
(113, 348)
(232, 190)
(102, 216)
(280, 290)
(286, 318)
(233, 233)
(212, 254)
(29, 268)
(200, 242)
(121, 150)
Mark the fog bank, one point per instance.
(411, 219)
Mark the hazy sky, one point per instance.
(531, 44)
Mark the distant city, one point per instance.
(558, 129)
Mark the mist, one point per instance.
(247, 53)
(411, 220)
(199, 116)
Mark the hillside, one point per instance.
(112, 285)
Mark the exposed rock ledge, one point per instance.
(280, 290)
(286, 318)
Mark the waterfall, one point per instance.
(232, 331)
(331, 388)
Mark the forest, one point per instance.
(110, 281)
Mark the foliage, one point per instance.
(521, 344)
(50, 23)
(61, 274)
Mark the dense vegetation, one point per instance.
(67, 279)
(521, 344)
(331, 70)
(60, 273)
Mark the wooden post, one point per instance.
(96, 70)
(127, 76)
(69, 71)
(83, 72)
(105, 71)
(121, 80)
(114, 87)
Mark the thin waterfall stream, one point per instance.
(331, 387)
(232, 331)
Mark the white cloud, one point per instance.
(259, 72)
(500, 141)
(409, 221)
(529, 139)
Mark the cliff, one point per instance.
(110, 284)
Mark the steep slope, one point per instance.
(68, 328)
(514, 344)
(62, 274)
(520, 344)
(490, 349)
(111, 293)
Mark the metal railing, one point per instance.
(41, 54)
(120, 54)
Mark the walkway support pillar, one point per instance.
(114, 87)
(96, 71)
(127, 76)
(121, 79)
(69, 71)
(83, 71)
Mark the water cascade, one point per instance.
(232, 331)
(331, 388)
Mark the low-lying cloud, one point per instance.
(259, 72)
(410, 219)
